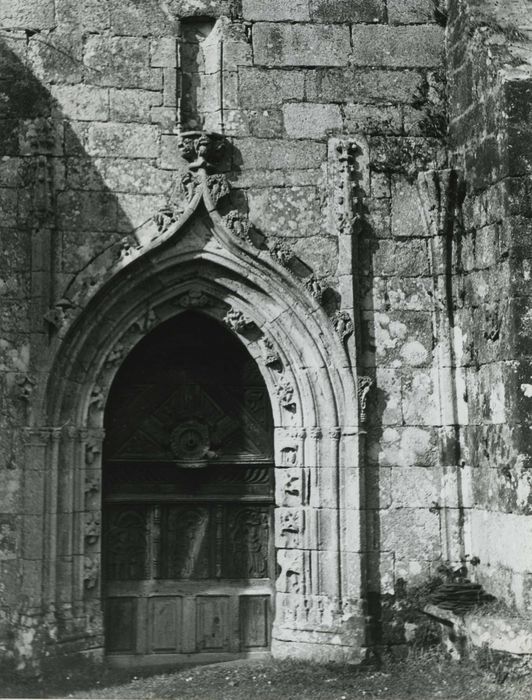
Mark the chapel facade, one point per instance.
(265, 349)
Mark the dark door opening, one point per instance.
(188, 500)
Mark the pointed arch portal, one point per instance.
(197, 264)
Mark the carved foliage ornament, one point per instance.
(343, 324)
(202, 149)
(237, 321)
(282, 252)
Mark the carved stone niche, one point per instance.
(202, 149)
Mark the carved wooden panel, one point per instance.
(126, 543)
(248, 553)
(185, 543)
(121, 625)
(254, 621)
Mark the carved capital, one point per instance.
(364, 385)
(335, 433)
(201, 149)
(316, 434)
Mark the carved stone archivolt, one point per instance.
(219, 271)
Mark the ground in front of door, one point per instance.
(422, 675)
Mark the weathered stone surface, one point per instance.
(313, 121)
(84, 102)
(133, 105)
(363, 86)
(15, 14)
(276, 11)
(259, 87)
(347, 10)
(411, 11)
(118, 140)
(121, 62)
(57, 56)
(370, 119)
(92, 15)
(397, 46)
(301, 45)
(279, 154)
(287, 212)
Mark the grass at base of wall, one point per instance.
(422, 675)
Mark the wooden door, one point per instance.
(188, 502)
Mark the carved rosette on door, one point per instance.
(188, 500)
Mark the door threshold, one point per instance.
(139, 661)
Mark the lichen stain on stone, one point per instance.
(527, 390)
(414, 353)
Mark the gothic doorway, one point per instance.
(187, 500)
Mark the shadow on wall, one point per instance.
(55, 209)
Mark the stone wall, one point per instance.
(490, 93)
(93, 97)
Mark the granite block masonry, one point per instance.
(345, 187)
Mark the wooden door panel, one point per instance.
(165, 618)
(254, 621)
(212, 625)
(121, 625)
